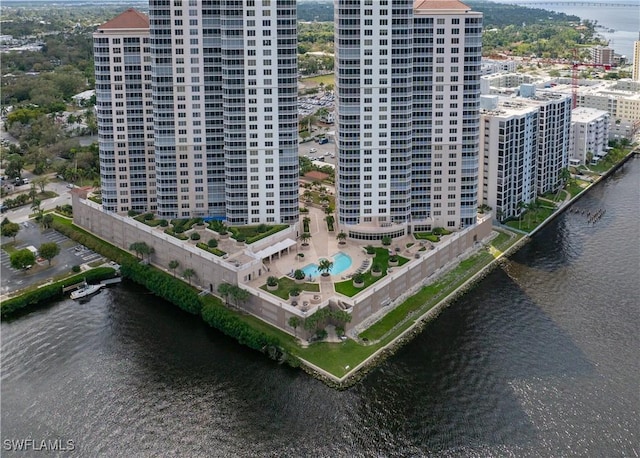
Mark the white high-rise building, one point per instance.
(124, 109)
(408, 88)
(225, 109)
(554, 137)
(589, 135)
(509, 135)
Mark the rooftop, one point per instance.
(129, 19)
(440, 5)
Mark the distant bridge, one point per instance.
(582, 3)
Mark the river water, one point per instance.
(540, 360)
(620, 25)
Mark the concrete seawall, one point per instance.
(361, 370)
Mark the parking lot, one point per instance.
(71, 254)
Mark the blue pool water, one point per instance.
(341, 262)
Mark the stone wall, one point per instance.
(407, 280)
(211, 271)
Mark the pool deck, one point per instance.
(323, 244)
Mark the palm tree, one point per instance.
(146, 249)
(239, 295)
(224, 289)
(305, 238)
(325, 266)
(294, 322)
(521, 205)
(342, 237)
(306, 195)
(532, 207)
(188, 273)
(137, 247)
(173, 265)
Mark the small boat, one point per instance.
(85, 290)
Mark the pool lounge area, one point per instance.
(341, 262)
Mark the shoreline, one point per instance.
(365, 366)
(362, 370)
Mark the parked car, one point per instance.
(313, 150)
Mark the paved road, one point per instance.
(20, 214)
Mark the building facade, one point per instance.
(554, 136)
(589, 135)
(408, 87)
(636, 61)
(124, 110)
(206, 115)
(602, 55)
(509, 130)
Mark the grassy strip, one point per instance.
(252, 234)
(216, 251)
(329, 78)
(286, 284)
(428, 296)
(42, 295)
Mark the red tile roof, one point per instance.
(130, 19)
(440, 5)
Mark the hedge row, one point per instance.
(52, 291)
(218, 316)
(91, 241)
(213, 312)
(164, 285)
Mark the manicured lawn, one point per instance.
(426, 236)
(611, 159)
(382, 259)
(575, 187)
(428, 296)
(531, 220)
(334, 357)
(316, 199)
(324, 79)
(285, 284)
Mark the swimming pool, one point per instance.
(341, 262)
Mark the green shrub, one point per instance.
(75, 268)
(222, 319)
(212, 243)
(272, 281)
(164, 223)
(386, 240)
(195, 236)
(164, 285)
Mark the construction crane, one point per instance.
(575, 66)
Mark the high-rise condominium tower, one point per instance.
(124, 109)
(225, 109)
(636, 60)
(408, 88)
